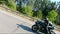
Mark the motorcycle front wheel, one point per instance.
(52, 32)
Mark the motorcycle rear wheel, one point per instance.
(34, 28)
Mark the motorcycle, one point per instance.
(41, 27)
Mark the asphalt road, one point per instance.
(11, 24)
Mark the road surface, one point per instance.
(11, 24)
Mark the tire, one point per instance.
(52, 32)
(34, 28)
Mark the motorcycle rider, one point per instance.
(46, 21)
(47, 24)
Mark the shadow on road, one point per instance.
(26, 28)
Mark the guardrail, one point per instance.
(17, 13)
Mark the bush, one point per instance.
(39, 15)
(11, 4)
(28, 10)
(52, 15)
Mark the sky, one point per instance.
(55, 0)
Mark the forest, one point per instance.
(36, 8)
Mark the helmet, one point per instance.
(46, 18)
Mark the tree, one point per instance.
(45, 6)
(52, 15)
(58, 9)
(25, 6)
(57, 21)
(21, 6)
(36, 8)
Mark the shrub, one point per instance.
(28, 10)
(52, 15)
